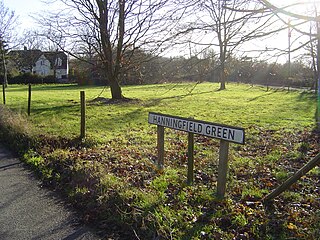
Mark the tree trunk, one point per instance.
(112, 66)
(222, 82)
(314, 62)
(116, 92)
(222, 77)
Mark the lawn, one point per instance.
(112, 178)
(56, 109)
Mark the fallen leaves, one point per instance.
(255, 169)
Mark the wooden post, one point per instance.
(29, 100)
(160, 146)
(4, 93)
(284, 186)
(318, 80)
(222, 168)
(83, 115)
(190, 158)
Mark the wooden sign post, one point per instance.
(4, 93)
(222, 168)
(29, 99)
(160, 146)
(225, 133)
(190, 158)
(83, 115)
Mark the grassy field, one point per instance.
(55, 109)
(112, 178)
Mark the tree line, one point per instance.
(180, 69)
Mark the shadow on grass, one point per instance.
(56, 110)
(307, 96)
(137, 115)
(261, 96)
(117, 122)
(156, 101)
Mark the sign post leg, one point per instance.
(83, 115)
(190, 158)
(222, 168)
(160, 146)
(29, 99)
(4, 93)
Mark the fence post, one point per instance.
(222, 168)
(83, 115)
(4, 93)
(29, 99)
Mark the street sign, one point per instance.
(223, 132)
(213, 130)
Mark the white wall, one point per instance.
(43, 66)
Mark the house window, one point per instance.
(59, 62)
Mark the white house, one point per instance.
(41, 63)
(42, 66)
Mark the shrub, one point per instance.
(26, 78)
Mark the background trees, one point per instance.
(304, 26)
(125, 42)
(7, 25)
(219, 24)
(106, 34)
(302, 20)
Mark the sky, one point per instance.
(25, 9)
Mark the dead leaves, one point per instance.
(254, 171)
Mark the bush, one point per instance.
(26, 78)
(49, 79)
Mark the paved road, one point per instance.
(29, 212)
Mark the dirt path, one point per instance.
(28, 211)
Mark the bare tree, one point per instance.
(313, 37)
(34, 40)
(220, 25)
(8, 21)
(113, 30)
(7, 25)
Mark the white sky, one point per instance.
(24, 9)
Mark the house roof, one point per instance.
(28, 58)
(25, 58)
(53, 56)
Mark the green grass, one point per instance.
(56, 110)
(112, 178)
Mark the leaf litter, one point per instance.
(252, 174)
